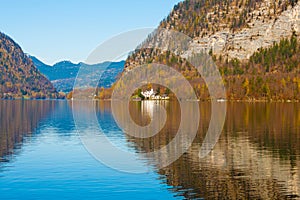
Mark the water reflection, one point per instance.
(256, 157)
(18, 120)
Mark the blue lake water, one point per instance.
(42, 156)
(50, 162)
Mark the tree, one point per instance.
(266, 90)
(158, 90)
(246, 87)
(140, 94)
(167, 92)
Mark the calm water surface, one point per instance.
(257, 156)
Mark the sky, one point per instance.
(56, 30)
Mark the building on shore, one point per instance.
(152, 95)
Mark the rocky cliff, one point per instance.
(261, 31)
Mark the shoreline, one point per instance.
(225, 101)
(249, 100)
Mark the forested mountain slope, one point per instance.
(19, 78)
(255, 44)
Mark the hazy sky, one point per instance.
(55, 30)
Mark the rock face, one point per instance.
(233, 29)
(260, 32)
(19, 78)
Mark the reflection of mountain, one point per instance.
(18, 119)
(257, 156)
(63, 74)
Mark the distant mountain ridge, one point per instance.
(54, 72)
(19, 78)
(63, 74)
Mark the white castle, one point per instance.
(150, 94)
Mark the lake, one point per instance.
(42, 156)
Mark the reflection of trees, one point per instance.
(19, 119)
(257, 155)
(275, 126)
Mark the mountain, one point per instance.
(55, 72)
(235, 28)
(255, 45)
(19, 78)
(63, 74)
